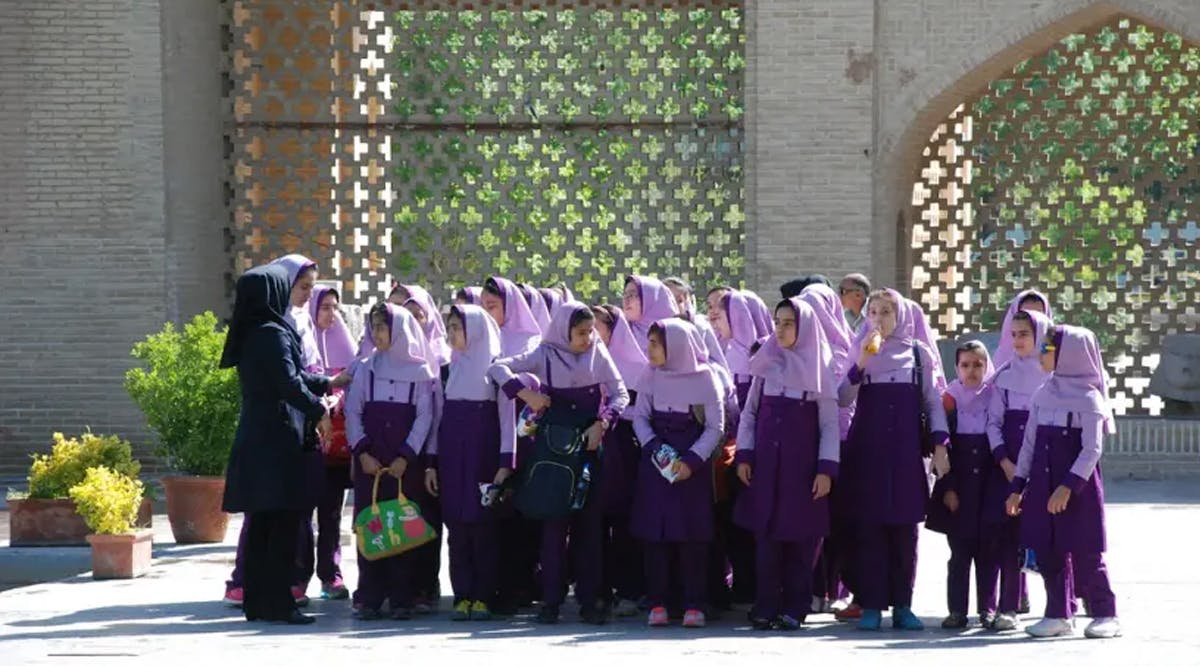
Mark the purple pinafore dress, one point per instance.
(1013, 430)
(970, 476)
(672, 513)
(1078, 529)
(468, 455)
(778, 505)
(887, 473)
(620, 461)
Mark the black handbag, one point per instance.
(926, 436)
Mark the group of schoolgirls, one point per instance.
(766, 455)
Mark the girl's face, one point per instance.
(494, 306)
(681, 297)
(456, 333)
(604, 331)
(418, 313)
(631, 301)
(398, 296)
(581, 336)
(381, 333)
(326, 310)
(302, 290)
(1049, 353)
(970, 369)
(1022, 337)
(656, 351)
(786, 331)
(713, 301)
(720, 319)
(882, 314)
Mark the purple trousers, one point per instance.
(1062, 573)
(623, 560)
(690, 563)
(1003, 545)
(784, 577)
(965, 551)
(474, 550)
(887, 565)
(585, 528)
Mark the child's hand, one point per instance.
(595, 435)
(870, 347)
(502, 475)
(370, 466)
(398, 467)
(1058, 501)
(538, 402)
(1013, 505)
(821, 486)
(431, 481)
(1010, 470)
(744, 473)
(342, 380)
(941, 461)
(950, 499)
(682, 471)
(325, 432)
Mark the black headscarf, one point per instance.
(792, 288)
(262, 298)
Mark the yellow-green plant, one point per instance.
(108, 501)
(52, 476)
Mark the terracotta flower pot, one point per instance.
(121, 555)
(54, 522)
(194, 508)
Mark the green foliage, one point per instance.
(108, 501)
(190, 403)
(52, 476)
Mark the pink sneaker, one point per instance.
(693, 619)
(658, 617)
(234, 596)
(299, 594)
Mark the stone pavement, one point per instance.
(173, 613)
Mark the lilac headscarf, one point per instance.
(686, 376)
(808, 365)
(537, 305)
(922, 332)
(434, 327)
(622, 346)
(1024, 374)
(407, 360)
(896, 350)
(367, 344)
(741, 323)
(294, 263)
(965, 398)
(335, 343)
(595, 361)
(468, 372)
(552, 298)
(828, 308)
(1079, 382)
(764, 320)
(472, 295)
(299, 316)
(520, 332)
(658, 303)
(1004, 351)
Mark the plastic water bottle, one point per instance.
(581, 487)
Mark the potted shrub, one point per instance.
(46, 515)
(192, 406)
(108, 502)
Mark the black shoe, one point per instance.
(787, 623)
(547, 615)
(761, 623)
(368, 614)
(596, 614)
(955, 621)
(1023, 607)
(298, 618)
(986, 620)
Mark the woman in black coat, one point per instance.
(266, 478)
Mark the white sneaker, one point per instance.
(1050, 627)
(626, 608)
(1103, 627)
(839, 605)
(1006, 622)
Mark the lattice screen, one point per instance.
(1076, 175)
(546, 141)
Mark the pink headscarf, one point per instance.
(596, 360)
(1004, 350)
(658, 303)
(434, 327)
(764, 320)
(896, 351)
(520, 332)
(686, 376)
(622, 346)
(741, 323)
(1024, 374)
(828, 308)
(335, 343)
(965, 398)
(407, 360)
(468, 372)
(808, 365)
(1079, 382)
(537, 305)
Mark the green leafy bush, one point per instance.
(108, 501)
(190, 403)
(52, 476)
